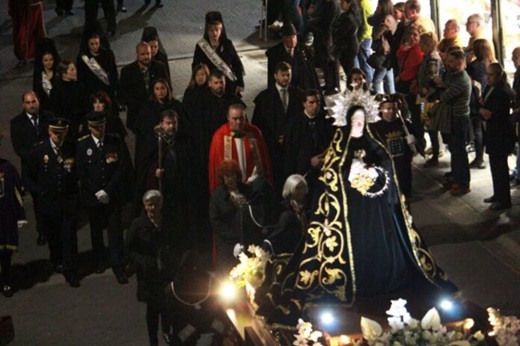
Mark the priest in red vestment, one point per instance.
(242, 142)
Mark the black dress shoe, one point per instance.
(101, 267)
(121, 8)
(499, 206)
(489, 199)
(121, 278)
(72, 279)
(7, 291)
(42, 240)
(70, 13)
(58, 268)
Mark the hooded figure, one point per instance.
(217, 52)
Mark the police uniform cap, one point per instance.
(58, 124)
(96, 119)
(288, 30)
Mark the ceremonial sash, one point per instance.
(96, 68)
(228, 152)
(46, 84)
(216, 59)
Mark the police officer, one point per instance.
(102, 162)
(51, 177)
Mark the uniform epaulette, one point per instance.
(83, 138)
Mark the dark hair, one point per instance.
(169, 113)
(216, 73)
(413, 5)
(102, 97)
(62, 67)
(169, 95)
(200, 66)
(282, 67)
(356, 70)
(384, 8)
(309, 93)
(228, 167)
(457, 54)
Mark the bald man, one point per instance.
(136, 81)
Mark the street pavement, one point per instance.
(478, 248)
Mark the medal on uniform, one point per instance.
(46, 159)
(89, 152)
(2, 185)
(60, 159)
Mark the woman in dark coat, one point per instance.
(147, 248)
(45, 76)
(293, 220)
(499, 136)
(12, 217)
(215, 40)
(69, 98)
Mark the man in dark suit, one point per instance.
(51, 177)
(103, 160)
(307, 137)
(135, 84)
(273, 107)
(298, 55)
(28, 128)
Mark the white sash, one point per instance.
(46, 84)
(216, 59)
(96, 68)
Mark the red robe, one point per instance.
(255, 153)
(27, 18)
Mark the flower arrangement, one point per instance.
(306, 335)
(251, 269)
(405, 330)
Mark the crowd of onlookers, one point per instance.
(203, 177)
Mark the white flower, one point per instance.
(431, 320)
(479, 336)
(395, 323)
(371, 329)
(398, 308)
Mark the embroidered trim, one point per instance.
(96, 68)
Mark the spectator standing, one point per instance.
(457, 97)
(499, 135)
(365, 40)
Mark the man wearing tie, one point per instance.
(297, 55)
(102, 161)
(273, 107)
(135, 85)
(28, 128)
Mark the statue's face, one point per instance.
(358, 124)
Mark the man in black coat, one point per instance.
(273, 107)
(307, 137)
(298, 55)
(175, 171)
(135, 84)
(103, 160)
(51, 177)
(28, 128)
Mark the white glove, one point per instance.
(102, 196)
(410, 139)
(238, 249)
(21, 223)
(357, 167)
